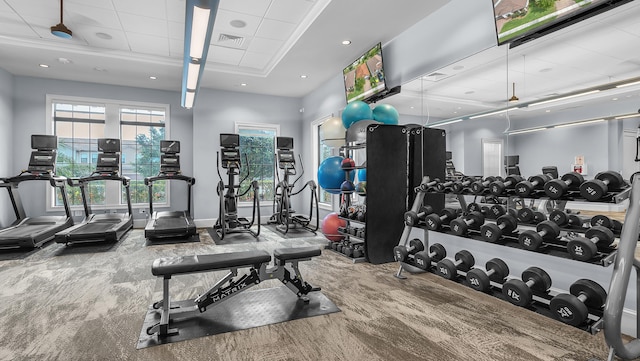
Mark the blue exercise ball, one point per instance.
(386, 114)
(355, 111)
(362, 175)
(331, 175)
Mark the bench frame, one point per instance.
(229, 286)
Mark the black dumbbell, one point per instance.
(434, 221)
(585, 248)
(348, 250)
(497, 271)
(475, 207)
(445, 186)
(532, 240)
(604, 221)
(429, 185)
(460, 226)
(498, 187)
(556, 188)
(460, 186)
(497, 210)
(423, 259)
(412, 218)
(401, 253)
(449, 269)
(520, 292)
(358, 251)
(597, 188)
(573, 308)
(528, 215)
(492, 232)
(536, 182)
(479, 187)
(566, 220)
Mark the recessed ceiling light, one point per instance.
(43, 65)
(243, 84)
(153, 77)
(238, 23)
(412, 107)
(104, 36)
(303, 76)
(614, 99)
(346, 42)
(65, 60)
(548, 110)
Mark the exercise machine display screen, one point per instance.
(44, 142)
(230, 156)
(229, 140)
(285, 158)
(109, 145)
(170, 146)
(284, 143)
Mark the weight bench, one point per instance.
(230, 285)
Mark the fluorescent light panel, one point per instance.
(627, 116)
(448, 122)
(628, 84)
(579, 123)
(189, 98)
(199, 31)
(564, 97)
(527, 131)
(193, 70)
(493, 113)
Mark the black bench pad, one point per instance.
(285, 254)
(207, 262)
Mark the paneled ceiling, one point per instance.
(265, 44)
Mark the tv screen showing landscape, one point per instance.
(518, 21)
(365, 76)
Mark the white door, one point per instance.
(492, 163)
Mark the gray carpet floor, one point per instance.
(88, 303)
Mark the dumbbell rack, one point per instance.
(605, 258)
(350, 240)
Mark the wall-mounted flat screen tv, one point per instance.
(365, 76)
(520, 21)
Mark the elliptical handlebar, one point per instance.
(218, 165)
(301, 171)
(246, 159)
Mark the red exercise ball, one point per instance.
(330, 225)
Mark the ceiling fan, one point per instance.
(60, 30)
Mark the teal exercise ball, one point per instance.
(386, 114)
(362, 175)
(355, 111)
(331, 175)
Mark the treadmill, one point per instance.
(31, 232)
(106, 227)
(169, 224)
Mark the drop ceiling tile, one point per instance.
(265, 46)
(273, 29)
(39, 8)
(91, 15)
(224, 20)
(4, 8)
(118, 39)
(143, 25)
(176, 47)
(94, 3)
(255, 60)
(250, 7)
(292, 11)
(148, 44)
(176, 10)
(176, 30)
(13, 25)
(222, 55)
(147, 8)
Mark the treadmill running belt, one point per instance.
(92, 228)
(20, 232)
(170, 222)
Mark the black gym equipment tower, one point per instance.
(228, 220)
(284, 216)
(31, 232)
(109, 227)
(169, 224)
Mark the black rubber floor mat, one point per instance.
(232, 238)
(294, 232)
(247, 310)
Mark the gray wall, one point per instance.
(6, 143)
(29, 118)
(216, 112)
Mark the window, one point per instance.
(492, 162)
(321, 152)
(257, 148)
(80, 122)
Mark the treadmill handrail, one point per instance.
(168, 176)
(106, 176)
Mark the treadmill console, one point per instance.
(43, 158)
(109, 158)
(169, 158)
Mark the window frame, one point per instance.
(112, 130)
(258, 126)
(315, 141)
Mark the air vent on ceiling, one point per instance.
(231, 40)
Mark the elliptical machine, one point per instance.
(228, 220)
(284, 216)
